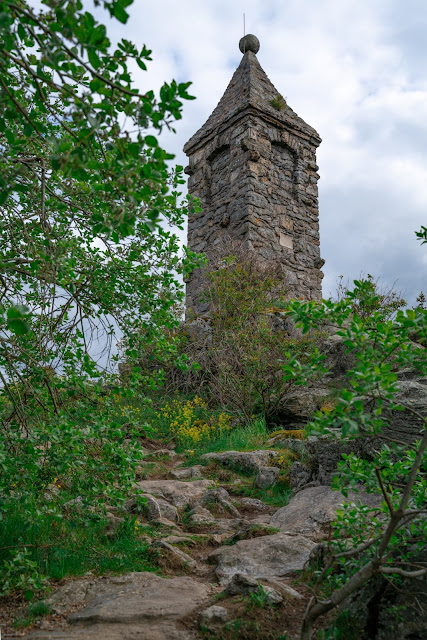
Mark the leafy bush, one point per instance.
(365, 544)
(248, 361)
(373, 296)
(83, 256)
(20, 573)
(191, 423)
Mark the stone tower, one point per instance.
(253, 167)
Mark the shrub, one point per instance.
(248, 360)
(373, 296)
(191, 423)
(21, 574)
(364, 544)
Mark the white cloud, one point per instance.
(356, 72)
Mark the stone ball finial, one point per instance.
(249, 43)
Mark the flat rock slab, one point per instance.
(311, 510)
(136, 606)
(249, 461)
(269, 557)
(176, 492)
(115, 632)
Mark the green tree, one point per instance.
(86, 252)
(367, 544)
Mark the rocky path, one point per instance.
(230, 559)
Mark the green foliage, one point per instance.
(259, 598)
(83, 256)
(345, 627)
(35, 610)
(86, 256)
(59, 538)
(277, 496)
(279, 102)
(422, 234)
(367, 541)
(373, 296)
(421, 301)
(242, 437)
(191, 423)
(20, 573)
(248, 363)
(64, 94)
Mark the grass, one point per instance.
(73, 546)
(344, 627)
(35, 610)
(241, 438)
(276, 496)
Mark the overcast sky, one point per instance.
(354, 70)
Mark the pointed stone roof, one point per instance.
(251, 89)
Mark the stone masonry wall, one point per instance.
(255, 174)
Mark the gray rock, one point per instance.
(180, 539)
(241, 584)
(299, 475)
(167, 510)
(76, 503)
(266, 558)
(338, 360)
(164, 522)
(200, 516)
(267, 477)
(246, 461)
(301, 405)
(253, 504)
(212, 617)
(404, 425)
(175, 492)
(187, 473)
(153, 508)
(186, 560)
(220, 496)
(135, 606)
(311, 510)
(159, 453)
(223, 525)
(323, 454)
(271, 595)
(69, 595)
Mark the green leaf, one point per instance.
(119, 13)
(17, 310)
(94, 59)
(151, 141)
(18, 326)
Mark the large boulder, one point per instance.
(322, 455)
(300, 405)
(152, 508)
(128, 607)
(269, 557)
(187, 473)
(246, 461)
(267, 477)
(311, 510)
(405, 425)
(213, 617)
(177, 493)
